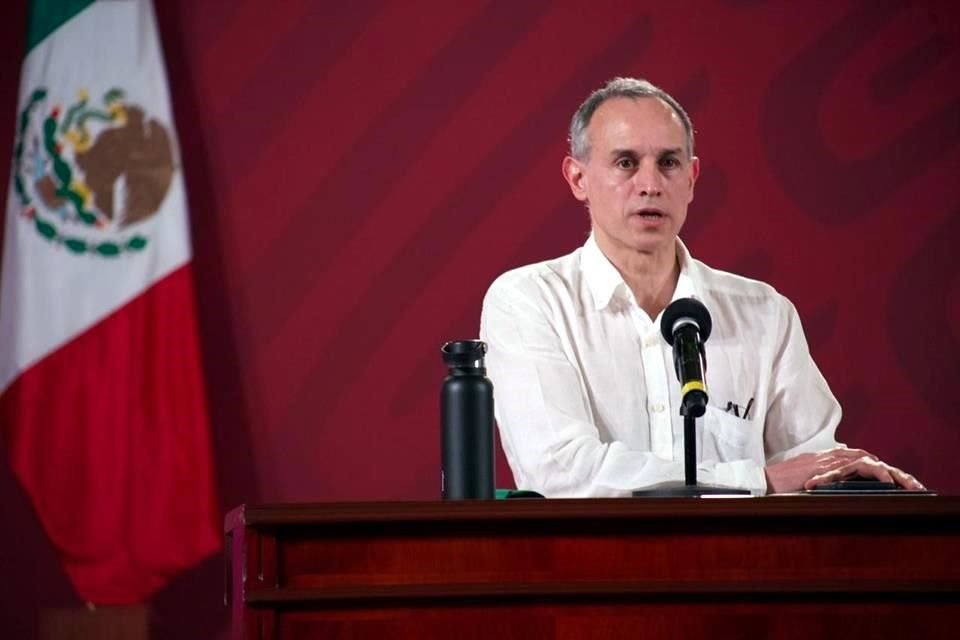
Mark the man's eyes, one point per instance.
(627, 163)
(669, 162)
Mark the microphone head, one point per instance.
(688, 310)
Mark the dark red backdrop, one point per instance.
(360, 171)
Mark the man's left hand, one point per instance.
(866, 467)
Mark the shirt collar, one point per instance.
(686, 283)
(605, 282)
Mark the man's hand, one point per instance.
(808, 470)
(866, 467)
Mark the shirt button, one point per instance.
(651, 341)
(658, 407)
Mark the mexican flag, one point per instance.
(102, 409)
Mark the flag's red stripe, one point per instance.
(109, 437)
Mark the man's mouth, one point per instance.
(650, 214)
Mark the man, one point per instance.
(586, 397)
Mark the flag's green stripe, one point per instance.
(46, 16)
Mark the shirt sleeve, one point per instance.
(803, 414)
(546, 424)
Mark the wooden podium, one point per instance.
(774, 567)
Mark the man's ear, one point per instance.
(573, 173)
(694, 173)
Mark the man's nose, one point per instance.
(648, 180)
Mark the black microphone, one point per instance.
(686, 326)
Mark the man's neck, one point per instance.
(651, 276)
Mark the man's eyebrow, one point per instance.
(616, 153)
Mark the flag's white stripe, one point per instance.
(49, 295)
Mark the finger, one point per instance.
(906, 480)
(855, 454)
(822, 478)
(864, 466)
(836, 458)
(843, 460)
(868, 468)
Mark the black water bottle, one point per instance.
(466, 422)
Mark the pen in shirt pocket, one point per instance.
(735, 409)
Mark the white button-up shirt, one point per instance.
(585, 393)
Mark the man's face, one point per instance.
(639, 177)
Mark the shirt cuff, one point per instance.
(742, 474)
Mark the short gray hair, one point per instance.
(634, 88)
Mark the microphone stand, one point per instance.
(686, 325)
(689, 488)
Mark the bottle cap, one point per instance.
(464, 353)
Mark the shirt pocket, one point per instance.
(724, 436)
